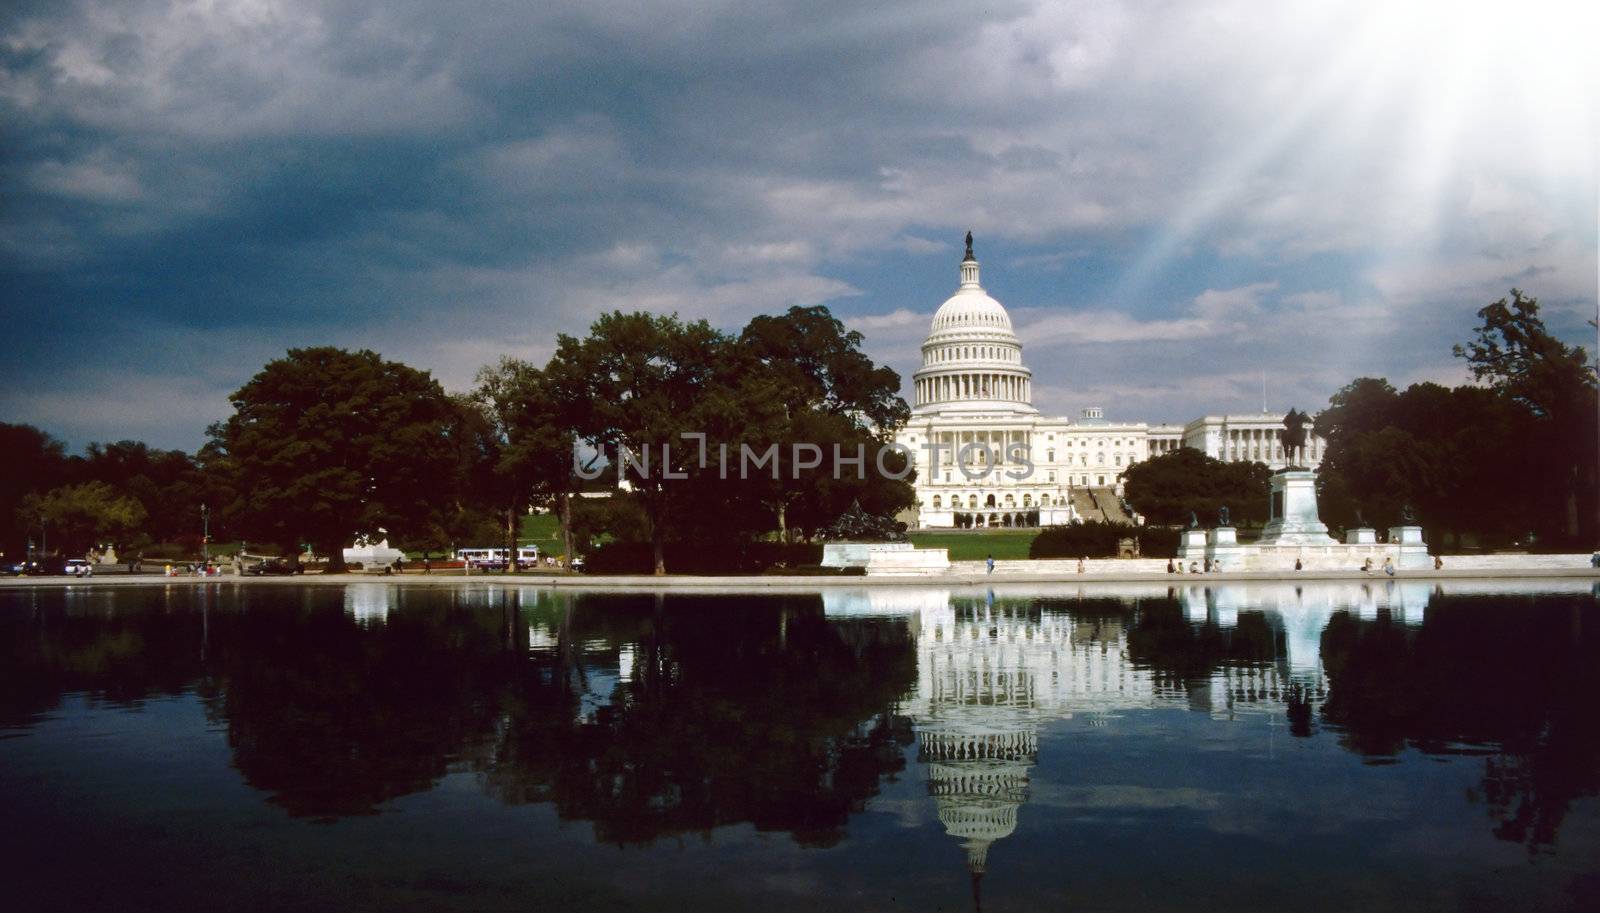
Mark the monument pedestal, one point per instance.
(1411, 551)
(1222, 547)
(1192, 547)
(1295, 521)
(886, 558)
(1361, 535)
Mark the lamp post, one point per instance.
(205, 533)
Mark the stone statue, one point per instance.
(1294, 435)
(969, 246)
(1222, 516)
(1360, 520)
(1407, 515)
(1194, 520)
(856, 525)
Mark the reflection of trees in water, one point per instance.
(1250, 655)
(1511, 677)
(58, 645)
(730, 713)
(333, 717)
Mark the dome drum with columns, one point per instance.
(973, 398)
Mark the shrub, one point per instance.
(1098, 539)
(698, 558)
(1095, 539)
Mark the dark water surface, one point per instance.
(384, 747)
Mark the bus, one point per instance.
(495, 558)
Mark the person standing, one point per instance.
(1388, 566)
(989, 565)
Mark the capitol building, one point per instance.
(986, 457)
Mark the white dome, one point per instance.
(972, 359)
(972, 308)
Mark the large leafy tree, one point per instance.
(168, 484)
(810, 381)
(1440, 451)
(35, 462)
(532, 447)
(76, 518)
(1169, 488)
(636, 383)
(326, 444)
(1518, 357)
(1495, 461)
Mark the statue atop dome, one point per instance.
(969, 248)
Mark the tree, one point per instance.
(533, 448)
(325, 445)
(168, 483)
(819, 388)
(635, 384)
(1516, 355)
(35, 463)
(1168, 488)
(1441, 451)
(80, 517)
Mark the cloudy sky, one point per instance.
(1170, 198)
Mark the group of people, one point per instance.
(206, 569)
(1388, 566)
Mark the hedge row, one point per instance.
(1098, 539)
(693, 558)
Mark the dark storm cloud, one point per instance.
(1169, 196)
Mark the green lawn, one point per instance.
(543, 530)
(979, 544)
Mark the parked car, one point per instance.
(577, 563)
(45, 566)
(12, 569)
(77, 567)
(272, 567)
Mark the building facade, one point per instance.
(986, 457)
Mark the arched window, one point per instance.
(935, 502)
(972, 502)
(1044, 501)
(989, 501)
(1010, 500)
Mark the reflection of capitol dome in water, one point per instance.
(991, 674)
(978, 781)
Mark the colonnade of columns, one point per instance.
(948, 387)
(1261, 444)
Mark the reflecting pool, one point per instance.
(1382, 745)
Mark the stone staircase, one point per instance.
(1083, 503)
(1100, 504)
(1111, 506)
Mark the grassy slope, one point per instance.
(544, 531)
(975, 546)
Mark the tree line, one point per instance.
(1508, 460)
(326, 444)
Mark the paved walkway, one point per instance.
(747, 583)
